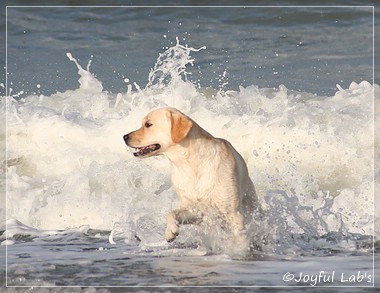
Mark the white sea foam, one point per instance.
(310, 157)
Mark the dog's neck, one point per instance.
(181, 155)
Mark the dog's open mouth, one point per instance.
(147, 150)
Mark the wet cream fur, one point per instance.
(209, 175)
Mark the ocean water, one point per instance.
(290, 87)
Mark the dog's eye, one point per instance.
(147, 124)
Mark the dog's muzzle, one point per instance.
(142, 151)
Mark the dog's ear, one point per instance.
(181, 126)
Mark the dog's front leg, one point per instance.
(241, 240)
(179, 217)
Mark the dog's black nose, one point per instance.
(126, 137)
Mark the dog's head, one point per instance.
(160, 130)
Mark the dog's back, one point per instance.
(211, 173)
(247, 193)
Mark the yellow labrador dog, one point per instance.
(209, 175)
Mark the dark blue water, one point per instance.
(305, 48)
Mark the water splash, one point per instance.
(310, 158)
(87, 81)
(170, 67)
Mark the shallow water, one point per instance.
(91, 262)
(82, 211)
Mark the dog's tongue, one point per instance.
(146, 150)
